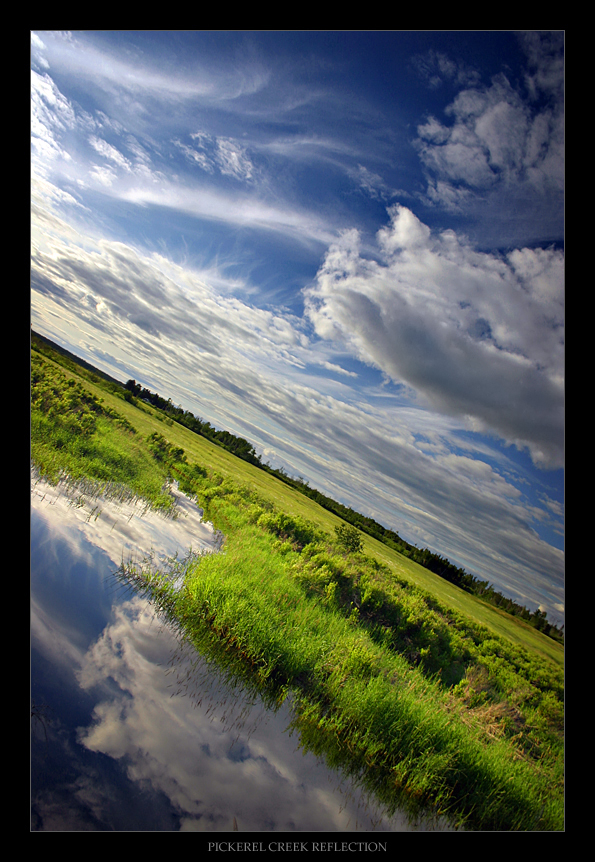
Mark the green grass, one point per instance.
(75, 434)
(462, 751)
(432, 699)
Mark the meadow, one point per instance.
(435, 701)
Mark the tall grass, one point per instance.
(74, 435)
(357, 699)
(422, 704)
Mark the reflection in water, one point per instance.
(141, 733)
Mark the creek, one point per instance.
(130, 731)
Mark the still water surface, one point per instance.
(132, 733)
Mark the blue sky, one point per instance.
(346, 247)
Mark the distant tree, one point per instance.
(133, 387)
(349, 538)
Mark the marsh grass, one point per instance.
(75, 438)
(458, 751)
(423, 705)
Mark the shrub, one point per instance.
(349, 538)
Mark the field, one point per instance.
(436, 701)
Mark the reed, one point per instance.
(413, 741)
(426, 706)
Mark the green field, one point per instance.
(436, 701)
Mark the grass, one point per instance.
(433, 700)
(461, 750)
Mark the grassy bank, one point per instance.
(402, 680)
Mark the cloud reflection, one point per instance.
(184, 750)
(213, 753)
(125, 529)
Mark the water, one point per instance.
(131, 732)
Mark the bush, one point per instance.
(349, 539)
(296, 529)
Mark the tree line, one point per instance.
(244, 449)
(428, 559)
(236, 445)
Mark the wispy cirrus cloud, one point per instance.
(66, 142)
(88, 56)
(247, 211)
(110, 152)
(224, 155)
(250, 370)
(187, 187)
(51, 115)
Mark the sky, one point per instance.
(346, 247)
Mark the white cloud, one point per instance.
(246, 210)
(371, 183)
(233, 160)
(103, 174)
(477, 335)
(499, 138)
(332, 366)
(243, 764)
(196, 156)
(545, 54)
(436, 67)
(51, 115)
(85, 56)
(486, 142)
(216, 153)
(249, 370)
(37, 52)
(110, 152)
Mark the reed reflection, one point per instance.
(145, 733)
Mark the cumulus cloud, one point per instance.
(245, 369)
(499, 142)
(494, 137)
(476, 335)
